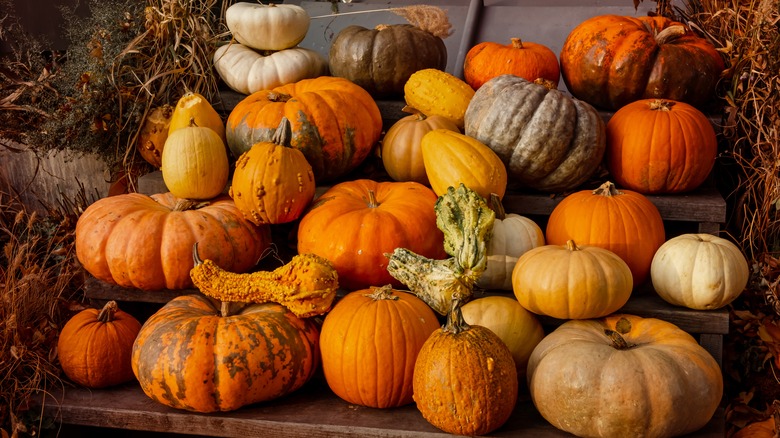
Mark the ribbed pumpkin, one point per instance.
(518, 328)
(622, 221)
(192, 108)
(354, 223)
(196, 355)
(267, 26)
(145, 242)
(465, 378)
(436, 92)
(382, 59)
(624, 376)
(94, 346)
(273, 183)
(547, 140)
(571, 281)
(612, 60)
(699, 271)
(401, 151)
(195, 163)
(335, 123)
(657, 146)
(154, 132)
(525, 59)
(369, 343)
(451, 158)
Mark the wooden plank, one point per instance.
(312, 412)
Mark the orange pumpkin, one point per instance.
(145, 242)
(94, 346)
(525, 59)
(354, 223)
(369, 343)
(335, 123)
(622, 221)
(660, 146)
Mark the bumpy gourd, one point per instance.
(306, 285)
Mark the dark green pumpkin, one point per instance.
(381, 59)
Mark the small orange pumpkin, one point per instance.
(525, 59)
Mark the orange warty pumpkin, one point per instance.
(622, 221)
(145, 242)
(198, 355)
(335, 123)
(94, 346)
(659, 146)
(369, 343)
(354, 223)
(611, 60)
(525, 59)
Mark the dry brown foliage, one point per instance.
(431, 19)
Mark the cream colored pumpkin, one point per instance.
(267, 27)
(246, 70)
(513, 236)
(195, 163)
(520, 329)
(699, 271)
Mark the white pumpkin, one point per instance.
(246, 71)
(699, 271)
(513, 236)
(267, 27)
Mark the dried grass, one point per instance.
(431, 19)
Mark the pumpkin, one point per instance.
(382, 59)
(195, 163)
(193, 108)
(622, 221)
(758, 429)
(571, 281)
(145, 242)
(246, 70)
(612, 60)
(518, 328)
(525, 59)
(267, 27)
(363, 220)
(624, 376)
(94, 346)
(699, 271)
(513, 236)
(547, 140)
(436, 92)
(465, 380)
(401, 151)
(335, 123)
(197, 355)
(451, 158)
(153, 133)
(657, 146)
(272, 182)
(369, 344)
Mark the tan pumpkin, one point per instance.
(436, 92)
(452, 158)
(401, 145)
(699, 271)
(624, 376)
(267, 26)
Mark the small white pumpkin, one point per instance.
(513, 236)
(245, 70)
(699, 271)
(267, 27)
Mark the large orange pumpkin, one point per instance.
(611, 60)
(355, 223)
(525, 59)
(622, 221)
(335, 123)
(193, 354)
(369, 344)
(145, 242)
(660, 146)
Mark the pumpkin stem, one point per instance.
(607, 189)
(497, 206)
(618, 341)
(372, 202)
(382, 293)
(669, 34)
(455, 323)
(107, 312)
(414, 111)
(381, 27)
(571, 245)
(517, 43)
(546, 83)
(278, 97)
(189, 204)
(661, 105)
(192, 123)
(196, 260)
(283, 133)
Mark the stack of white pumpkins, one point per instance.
(264, 52)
